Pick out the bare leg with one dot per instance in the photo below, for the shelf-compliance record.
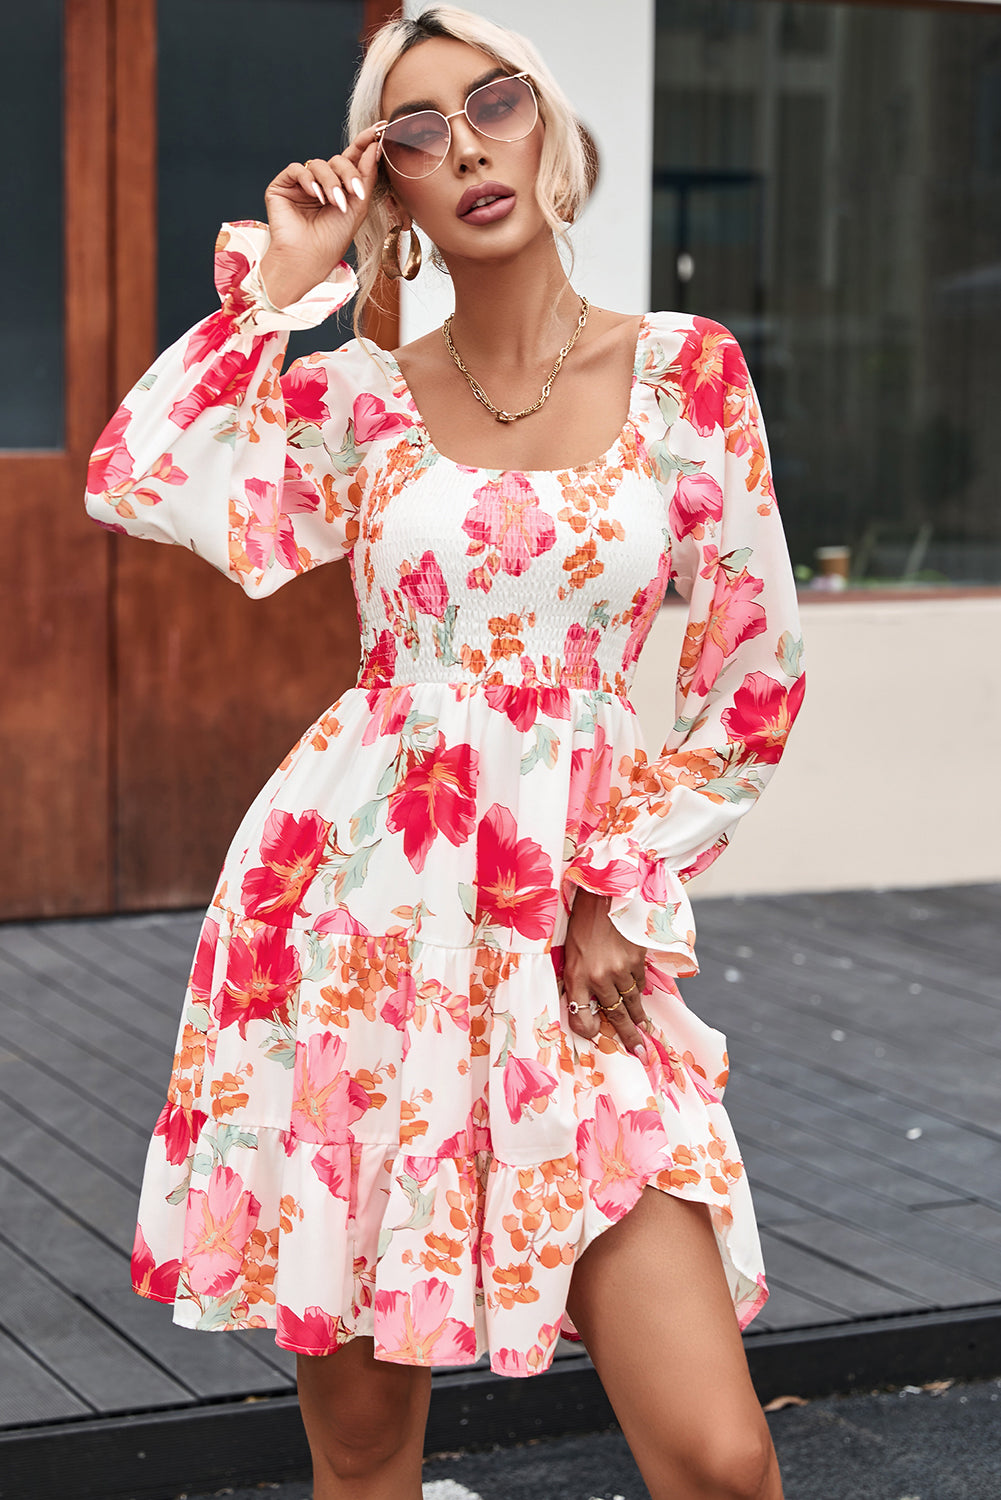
(365, 1420)
(650, 1300)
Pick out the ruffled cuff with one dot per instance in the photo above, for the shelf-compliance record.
(649, 904)
(240, 248)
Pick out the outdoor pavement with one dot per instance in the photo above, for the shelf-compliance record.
(864, 1033)
(911, 1444)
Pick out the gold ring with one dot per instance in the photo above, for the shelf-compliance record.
(607, 1009)
(629, 990)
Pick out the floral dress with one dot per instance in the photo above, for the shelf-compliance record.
(379, 1122)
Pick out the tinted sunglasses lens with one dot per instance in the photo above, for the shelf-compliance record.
(416, 144)
(504, 110)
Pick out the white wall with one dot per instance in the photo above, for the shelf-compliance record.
(603, 58)
(890, 773)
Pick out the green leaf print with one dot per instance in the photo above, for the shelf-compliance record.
(598, 614)
(319, 949)
(545, 748)
(362, 825)
(737, 786)
(668, 404)
(790, 653)
(352, 872)
(660, 924)
(180, 1192)
(147, 383)
(347, 458)
(422, 1204)
(304, 435)
(733, 563)
(198, 1017)
(467, 895)
(444, 631)
(510, 1036)
(218, 1311)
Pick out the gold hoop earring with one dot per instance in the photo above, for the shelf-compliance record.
(390, 259)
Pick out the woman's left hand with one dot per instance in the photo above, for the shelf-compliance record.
(599, 961)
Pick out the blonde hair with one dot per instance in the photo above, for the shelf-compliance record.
(568, 166)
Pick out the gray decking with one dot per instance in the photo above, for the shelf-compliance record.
(865, 1040)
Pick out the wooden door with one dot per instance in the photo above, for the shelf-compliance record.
(145, 698)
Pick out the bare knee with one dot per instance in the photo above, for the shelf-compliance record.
(735, 1464)
(362, 1416)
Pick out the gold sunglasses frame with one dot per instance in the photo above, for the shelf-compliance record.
(383, 125)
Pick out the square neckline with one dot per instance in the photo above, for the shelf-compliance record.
(603, 461)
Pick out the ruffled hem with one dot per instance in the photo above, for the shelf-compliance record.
(323, 1233)
(649, 903)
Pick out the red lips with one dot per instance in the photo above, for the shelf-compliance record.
(482, 190)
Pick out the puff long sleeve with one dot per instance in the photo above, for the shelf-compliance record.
(740, 679)
(215, 450)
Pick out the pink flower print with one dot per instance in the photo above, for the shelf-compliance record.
(225, 384)
(509, 525)
(262, 975)
(150, 1279)
(304, 388)
(646, 603)
(437, 795)
(524, 702)
(380, 664)
(733, 618)
(580, 666)
(332, 1164)
(590, 778)
(230, 267)
(425, 586)
(180, 1128)
(762, 714)
(200, 983)
(270, 531)
(292, 851)
(316, 1332)
(339, 919)
(111, 462)
(702, 366)
(373, 421)
(620, 1153)
(326, 1100)
(527, 1085)
(697, 500)
(409, 1326)
(218, 1225)
(514, 877)
(209, 336)
(398, 1006)
(514, 1362)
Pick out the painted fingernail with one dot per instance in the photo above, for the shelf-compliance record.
(317, 189)
(340, 200)
(639, 1048)
(357, 188)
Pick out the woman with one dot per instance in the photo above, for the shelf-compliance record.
(436, 1093)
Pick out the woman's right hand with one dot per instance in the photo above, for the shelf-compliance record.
(313, 214)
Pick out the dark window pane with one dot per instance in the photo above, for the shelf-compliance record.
(31, 245)
(828, 185)
(245, 86)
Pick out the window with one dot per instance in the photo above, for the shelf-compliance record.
(244, 86)
(827, 184)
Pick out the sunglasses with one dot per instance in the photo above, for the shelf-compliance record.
(504, 110)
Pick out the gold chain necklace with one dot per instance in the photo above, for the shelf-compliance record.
(480, 393)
